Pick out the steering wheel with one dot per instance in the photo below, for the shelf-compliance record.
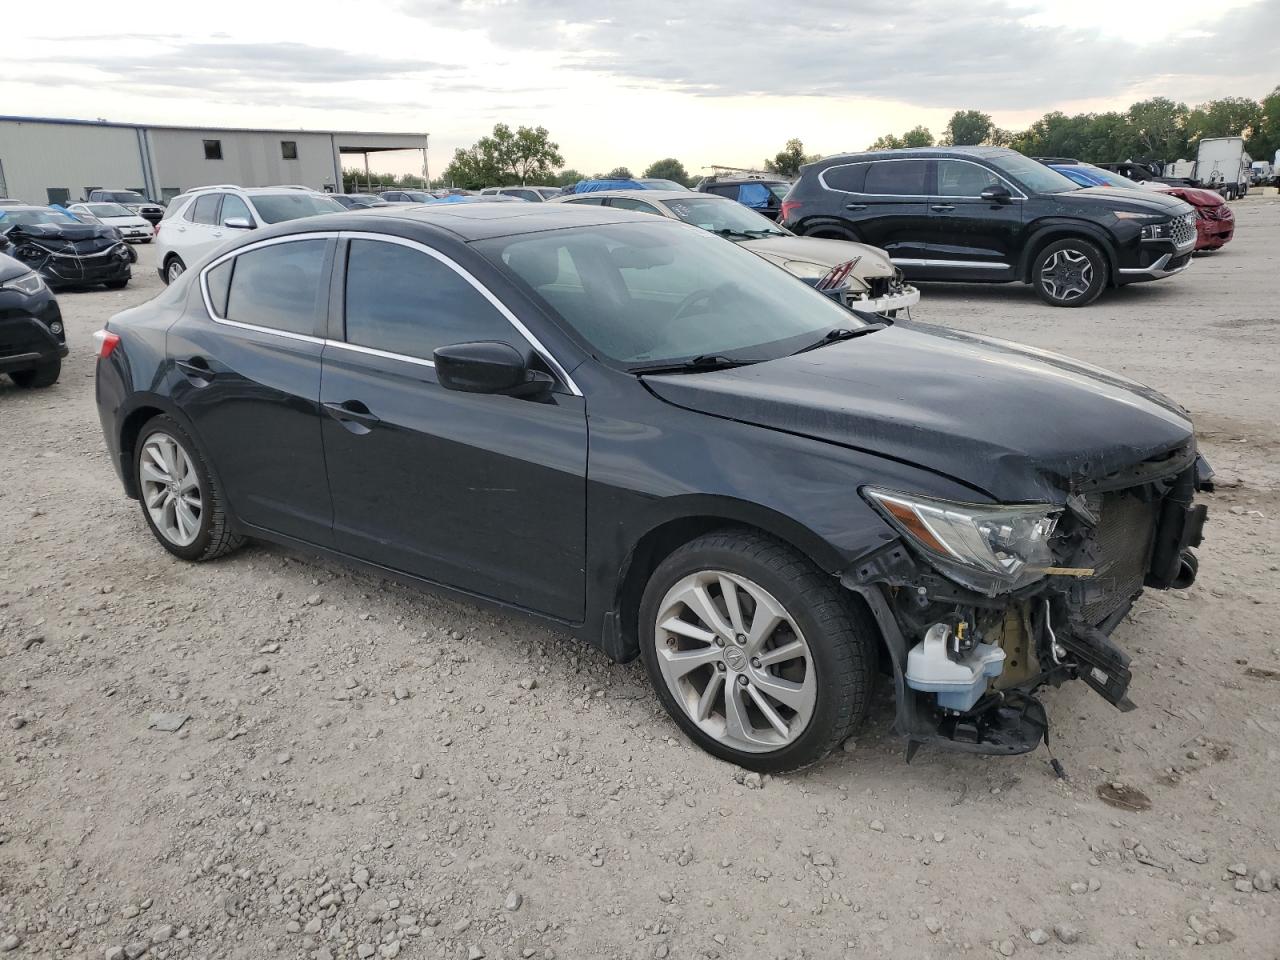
(698, 296)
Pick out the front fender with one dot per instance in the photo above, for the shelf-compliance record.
(1053, 228)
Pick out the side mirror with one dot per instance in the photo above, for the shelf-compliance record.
(489, 366)
(237, 223)
(996, 193)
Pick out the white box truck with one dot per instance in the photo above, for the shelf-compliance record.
(1222, 165)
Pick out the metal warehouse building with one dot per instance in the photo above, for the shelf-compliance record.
(45, 160)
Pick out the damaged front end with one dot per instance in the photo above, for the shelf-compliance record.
(67, 255)
(980, 606)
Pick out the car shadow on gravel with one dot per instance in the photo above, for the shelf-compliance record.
(1017, 295)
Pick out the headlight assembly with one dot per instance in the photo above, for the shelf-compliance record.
(1158, 231)
(989, 548)
(807, 270)
(28, 283)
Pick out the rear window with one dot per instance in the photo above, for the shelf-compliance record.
(848, 177)
(903, 178)
(176, 206)
(279, 286)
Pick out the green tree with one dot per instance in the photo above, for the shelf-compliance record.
(669, 169)
(967, 128)
(1264, 139)
(567, 177)
(505, 157)
(788, 161)
(888, 141)
(618, 173)
(1228, 117)
(917, 137)
(1159, 128)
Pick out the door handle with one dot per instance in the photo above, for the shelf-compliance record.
(943, 207)
(196, 370)
(353, 415)
(855, 206)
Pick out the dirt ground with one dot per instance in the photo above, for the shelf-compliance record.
(371, 771)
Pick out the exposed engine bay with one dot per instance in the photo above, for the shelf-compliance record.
(968, 661)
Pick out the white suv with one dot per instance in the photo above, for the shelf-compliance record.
(199, 221)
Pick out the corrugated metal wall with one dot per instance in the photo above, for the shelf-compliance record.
(248, 159)
(39, 157)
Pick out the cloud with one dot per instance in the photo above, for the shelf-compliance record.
(917, 51)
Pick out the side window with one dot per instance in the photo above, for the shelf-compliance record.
(594, 201)
(849, 177)
(729, 190)
(175, 207)
(903, 178)
(232, 208)
(279, 286)
(205, 209)
(630, 203)
(403, 301)
(524, 195)
(959, 179)
(218, 280)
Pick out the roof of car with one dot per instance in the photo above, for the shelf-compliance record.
(663, 195)
(920, 152)
(482, 221)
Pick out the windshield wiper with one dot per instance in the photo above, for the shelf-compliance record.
(748, 234)
(842, 333)
(699, 364)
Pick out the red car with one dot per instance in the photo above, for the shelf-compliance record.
(1215, 223)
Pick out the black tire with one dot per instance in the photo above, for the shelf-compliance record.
(831, 232)
(841, 636)
(215, 537)
(174, 262)
(45, 375)
(117, 284)
(1070, 282)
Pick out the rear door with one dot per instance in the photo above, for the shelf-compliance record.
(483, 493)
(972, 236)
(248, 377)
(887, 204)
(198, 230)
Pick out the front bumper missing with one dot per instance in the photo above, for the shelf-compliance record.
(905, 299)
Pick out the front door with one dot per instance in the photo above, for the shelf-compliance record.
(483, 493)
(972, 236)
(249, 379)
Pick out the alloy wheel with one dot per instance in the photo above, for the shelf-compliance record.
(735, 661)
(175, 270)
(1067, 274)
(170, 489)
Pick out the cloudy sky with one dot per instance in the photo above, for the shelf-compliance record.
(711, 82)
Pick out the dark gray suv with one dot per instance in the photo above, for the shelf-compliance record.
(991, 215)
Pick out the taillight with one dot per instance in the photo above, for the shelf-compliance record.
(107, 341)
(788, 208)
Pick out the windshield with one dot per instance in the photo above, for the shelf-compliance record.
(658, 292)
(278, 207)
(1032, 174)
(108, 210)
(9, 216)
(657, 183)
(717, 215)
(1107, 177)
(780, 190)
(123, 196)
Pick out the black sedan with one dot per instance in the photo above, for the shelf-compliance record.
(65, 251)
(32, 341)
(671, 449)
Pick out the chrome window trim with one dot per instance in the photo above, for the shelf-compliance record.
(962, 264)
(479, 288)
(355, 347)
(822, 179)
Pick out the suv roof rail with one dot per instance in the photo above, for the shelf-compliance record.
(292, 186)
(213, 186)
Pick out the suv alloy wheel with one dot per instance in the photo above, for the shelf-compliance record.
(1069, 273)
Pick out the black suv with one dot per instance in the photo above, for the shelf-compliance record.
(32, 341)
(759, 193)
(988, 214)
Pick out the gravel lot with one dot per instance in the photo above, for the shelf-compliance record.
(371, 771)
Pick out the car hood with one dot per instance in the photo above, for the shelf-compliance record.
(84, 236)
(872, 262)
(11, 269)
(1196, 196)
(1136, 200)
(1017, 423)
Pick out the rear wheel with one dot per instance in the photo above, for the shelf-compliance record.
(174, 269)
(45, 375)
(1069, 273)
(181, 501)
(758, 656)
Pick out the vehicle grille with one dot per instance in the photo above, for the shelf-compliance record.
(1184, 230)
(1123, 537)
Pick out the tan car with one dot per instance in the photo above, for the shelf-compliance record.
(873, 285)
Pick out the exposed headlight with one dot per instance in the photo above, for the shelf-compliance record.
(1158, 231)
(28, 283)
(989, 548)
(806, 270)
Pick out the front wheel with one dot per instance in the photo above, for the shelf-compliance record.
(759, 658)
(45, 375)
(173, 270)
(181, 501)
(1069, 273)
